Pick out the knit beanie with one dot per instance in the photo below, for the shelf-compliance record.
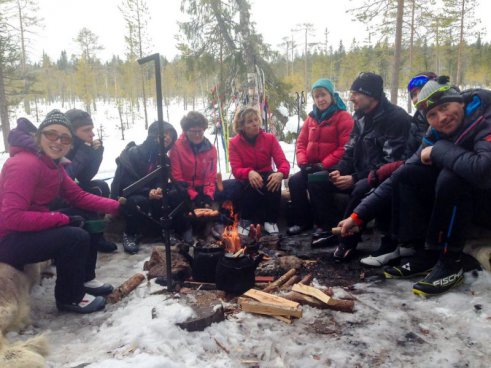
(437, 92)
(420, 80)
(78, 118)
(327, 84)
(369, 84)
(55, 117)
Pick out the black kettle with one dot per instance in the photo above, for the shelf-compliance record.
(204, 262)
(236, 275)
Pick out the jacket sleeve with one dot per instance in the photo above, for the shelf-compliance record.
(279, 158)
(209, 187)
(90, 167)
(75, 196)
(474, 166)
(344, 128)
(20, 183)
(236, 163)
(396, 139)
(302, 142)
(346, 166)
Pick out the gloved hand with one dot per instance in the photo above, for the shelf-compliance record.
(376, 177)
(311, 168)
(202, 201)
(76, 221)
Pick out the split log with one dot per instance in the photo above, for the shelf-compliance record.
(307, 279)
(263, 297)
(252, 306)
(280, 281)
(311, 291)
(125, 288)
(346, 306)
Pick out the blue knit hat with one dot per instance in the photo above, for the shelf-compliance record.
(329, 86)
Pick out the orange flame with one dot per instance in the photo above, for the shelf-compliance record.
(230, 236)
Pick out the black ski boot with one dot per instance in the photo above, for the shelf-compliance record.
(130, 244)
(446, 274)
(418, 265)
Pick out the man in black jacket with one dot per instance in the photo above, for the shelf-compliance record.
(435, 191)
(86, 157)
(379, 136)
(135, 162)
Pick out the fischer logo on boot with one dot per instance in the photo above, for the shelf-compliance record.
(449, 279)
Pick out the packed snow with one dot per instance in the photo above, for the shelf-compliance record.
(391, 327)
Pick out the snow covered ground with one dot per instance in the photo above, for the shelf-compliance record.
(390, 327)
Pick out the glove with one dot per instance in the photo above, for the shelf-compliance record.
(311, 168)
(202, 201)
(376, 177)
(76, 221)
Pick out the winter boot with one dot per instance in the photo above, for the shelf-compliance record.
(419, 264)
(88, 304)
(97, 288)
(343, 252)
(106, 246)
(446, 274)
(130, 244)
(271, 228)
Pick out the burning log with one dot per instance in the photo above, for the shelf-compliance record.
(125, 288)
(280, 281)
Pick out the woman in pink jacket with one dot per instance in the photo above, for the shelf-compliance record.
(29, 232)
(193, 161)
(320, 146)
(251, 153)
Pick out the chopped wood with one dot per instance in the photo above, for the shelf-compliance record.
(311, 291)
(346, 306)
(264, 278)
(252, 306)
(125, 288)
(284, 319)
(307, 279)
(293, 280)
(337, 230)
(263, 297)
(280, 281)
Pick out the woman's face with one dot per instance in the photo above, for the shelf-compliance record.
(195, 135)
(322, 98)
(251, 125)
(55, 141)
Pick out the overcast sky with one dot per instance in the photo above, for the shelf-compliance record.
(274, 19)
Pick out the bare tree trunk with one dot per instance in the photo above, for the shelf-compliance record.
(461, 45)
(411, 50)
(4, 112)
(394, 87)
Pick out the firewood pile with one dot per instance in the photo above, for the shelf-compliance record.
(156, 266)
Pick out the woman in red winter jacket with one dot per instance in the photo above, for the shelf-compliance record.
(29, 232)
(320, 146)
(251, 153)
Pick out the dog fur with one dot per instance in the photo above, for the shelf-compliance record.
(14, 315)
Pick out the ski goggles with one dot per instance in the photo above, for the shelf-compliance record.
(433, 99)
(53, 136)
(417, 82)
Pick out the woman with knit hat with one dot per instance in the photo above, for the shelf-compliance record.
(320, 146)
(29, 233)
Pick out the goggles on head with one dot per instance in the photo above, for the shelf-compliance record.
(417, 82)
(432, 99)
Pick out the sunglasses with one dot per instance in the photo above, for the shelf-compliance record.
(53, 136)
(426, 103)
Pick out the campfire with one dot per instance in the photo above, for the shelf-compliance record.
(232, 241)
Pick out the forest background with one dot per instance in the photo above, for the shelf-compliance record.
(218, 46)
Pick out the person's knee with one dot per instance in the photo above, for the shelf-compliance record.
(450, 185)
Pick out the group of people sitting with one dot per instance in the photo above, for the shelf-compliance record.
(418, 176)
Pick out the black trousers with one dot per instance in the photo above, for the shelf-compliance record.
(326, 213)
(97, 187)
(435, 206)
(71, 249)
(260, 205)
(301, 209)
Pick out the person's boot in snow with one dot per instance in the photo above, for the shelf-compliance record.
(446, 274)
(105, 246)
(271, 228)
(130, 244)
(88, 304)
(97, 288)
(419, 264)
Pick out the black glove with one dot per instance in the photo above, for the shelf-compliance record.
(202, 201)
(311, 168)
(76, 221)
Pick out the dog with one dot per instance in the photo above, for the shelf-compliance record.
(14, 316)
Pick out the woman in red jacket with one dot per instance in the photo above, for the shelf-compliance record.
(29, 232)
(320, 146)
(193, 162)
(251, 153)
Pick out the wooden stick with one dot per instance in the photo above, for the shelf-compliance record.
(311, 291)
(252, 306)
(293, 280)
(307, 279)
(280, 281)
(346, 306)
(125, 288)
(337, 230)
